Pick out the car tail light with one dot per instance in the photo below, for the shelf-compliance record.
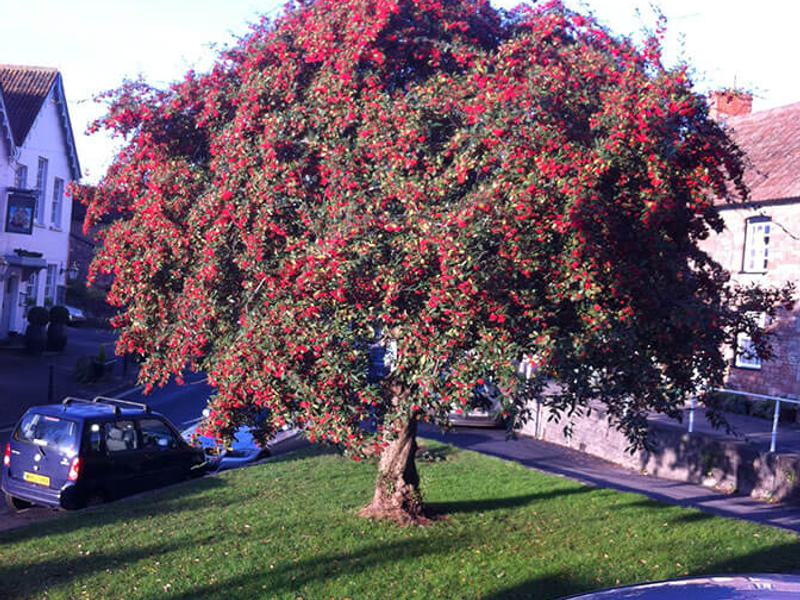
(7, 456)
(74, 469)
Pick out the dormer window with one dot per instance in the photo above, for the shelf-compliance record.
(756, 245)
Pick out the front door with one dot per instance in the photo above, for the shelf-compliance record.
(10, 301)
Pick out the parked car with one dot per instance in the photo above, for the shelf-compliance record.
(76, 316)
(484, 410)
(242, 450)
(67, 455)
(727, 587)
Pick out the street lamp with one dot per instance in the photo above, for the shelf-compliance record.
(72, 272)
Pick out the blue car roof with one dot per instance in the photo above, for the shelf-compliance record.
(88, 410)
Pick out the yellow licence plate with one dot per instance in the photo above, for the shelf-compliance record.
(37, 479)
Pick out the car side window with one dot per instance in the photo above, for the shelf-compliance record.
(95, 438)
(156, 434)
(120, 436)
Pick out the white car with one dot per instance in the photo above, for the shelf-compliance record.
(242, 451)
(485, 409)
(76, 315)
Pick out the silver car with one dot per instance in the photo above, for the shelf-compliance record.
(242, 451)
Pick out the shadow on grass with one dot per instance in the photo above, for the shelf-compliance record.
(174, 499)
(546, 586)
(291, 577)
(776, 559)
(489, 504)
(38, 577)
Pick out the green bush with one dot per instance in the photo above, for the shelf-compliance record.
(38, 315)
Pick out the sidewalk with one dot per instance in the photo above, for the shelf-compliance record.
(587, 469)
(24, 378)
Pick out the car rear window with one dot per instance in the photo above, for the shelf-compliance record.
(48, 432)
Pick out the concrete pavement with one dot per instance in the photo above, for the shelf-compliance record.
(587, 469)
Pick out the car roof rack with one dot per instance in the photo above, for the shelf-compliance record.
(120, 403)
(72, 400)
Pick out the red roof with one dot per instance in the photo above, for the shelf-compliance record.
(24, 90)
(771, 140)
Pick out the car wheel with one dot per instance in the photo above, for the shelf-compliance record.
(15, 504)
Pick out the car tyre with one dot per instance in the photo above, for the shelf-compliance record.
(16, 504)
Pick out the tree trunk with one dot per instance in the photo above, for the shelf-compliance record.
(397, 497)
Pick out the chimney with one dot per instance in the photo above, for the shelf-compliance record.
(729, 103)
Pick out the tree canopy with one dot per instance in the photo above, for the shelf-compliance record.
(467, 184)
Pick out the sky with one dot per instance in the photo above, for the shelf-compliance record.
(96, 44)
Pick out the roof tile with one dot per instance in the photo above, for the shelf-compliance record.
(24, 90)
(771, 140)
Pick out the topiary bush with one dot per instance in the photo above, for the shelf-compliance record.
(38, 315)
(57, 330)
(35, 339)
(59, 314)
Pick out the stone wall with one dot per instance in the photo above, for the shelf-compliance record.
(726, 466)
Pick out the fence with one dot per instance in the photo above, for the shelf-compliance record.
(775, 417)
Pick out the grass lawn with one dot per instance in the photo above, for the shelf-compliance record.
(288, 529)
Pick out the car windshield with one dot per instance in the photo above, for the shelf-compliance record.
(48, 432)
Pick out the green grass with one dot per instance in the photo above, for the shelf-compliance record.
(289, 529)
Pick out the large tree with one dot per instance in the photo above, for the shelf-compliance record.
(464, 185)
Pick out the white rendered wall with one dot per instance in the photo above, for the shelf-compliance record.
(45, 139)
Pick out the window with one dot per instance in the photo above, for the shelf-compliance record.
(121, 436)
(41, 187)
(21, 177)
(94, 440)
(50, 284)
(31, 290)
(58, 195)
(756, 245)
(156, 434)
(746, 357)
(48, 432)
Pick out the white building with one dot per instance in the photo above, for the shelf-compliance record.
(38, 160)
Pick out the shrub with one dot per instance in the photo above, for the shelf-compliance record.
(59, 314)
(38, 315)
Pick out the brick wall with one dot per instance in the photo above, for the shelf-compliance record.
(781, 375)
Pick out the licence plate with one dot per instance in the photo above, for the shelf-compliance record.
(37, 479)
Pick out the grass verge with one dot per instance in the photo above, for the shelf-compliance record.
(288, 529)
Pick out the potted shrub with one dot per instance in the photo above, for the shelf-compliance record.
(57, 329)
(101, 364)
(35, 336)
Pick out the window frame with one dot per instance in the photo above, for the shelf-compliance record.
(56, 207)
(41, 188)
(21, 177)
(752, 244)
(745, 343)
(50, 283)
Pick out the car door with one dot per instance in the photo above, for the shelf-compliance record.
(164, 459)
(125, 458)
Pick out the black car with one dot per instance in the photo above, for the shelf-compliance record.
(67, 455)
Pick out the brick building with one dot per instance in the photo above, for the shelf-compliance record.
(761, 240)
